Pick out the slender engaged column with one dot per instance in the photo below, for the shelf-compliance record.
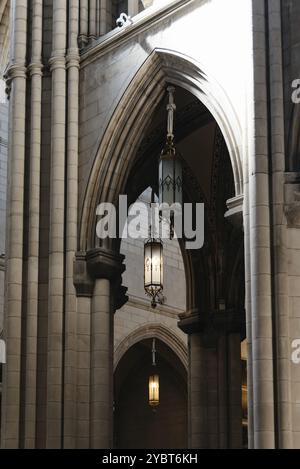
(35, 69)
(71, 230)
(260, 253)
(280, 230)
(57, 221)
(133, 7)
(83, 372)
(14, 247)
(92, 19)
(105, 17)
(84, 22)
(248, 312)
(102, 367)
(235, 391)
(198, 394)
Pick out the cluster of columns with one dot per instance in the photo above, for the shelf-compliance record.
(97, 17)
(215, 381)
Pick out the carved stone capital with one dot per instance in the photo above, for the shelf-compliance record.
(104, 263)
(292, 199)
(14, 70)
(100, 263)
(213, 324)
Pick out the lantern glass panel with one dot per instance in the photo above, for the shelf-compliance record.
(153, 265)
(154, 390)
(170, 180)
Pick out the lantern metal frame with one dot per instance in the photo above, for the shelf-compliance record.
(173, 179)
(153, 289)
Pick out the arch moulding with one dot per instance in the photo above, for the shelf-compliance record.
(118, 146)
(150, 331)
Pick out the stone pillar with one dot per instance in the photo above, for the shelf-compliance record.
(70, 360)
(215, 387)
(57, 233)
(84, 23)
(105, 17)
(102, 367)
(14, 248)
(133, 7)
(97, 275)
(92, 19)
(260, 252)
(35, 70)
(248, 312)
(84, 289)
(234, 367)
(198, 399)
(279, 227)
(83, 372)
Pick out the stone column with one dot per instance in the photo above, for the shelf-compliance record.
(248, 311)
(84, 289)
(260, 252)
(84, 23)
(70, 360)
(92, 19)
(234, 391)
(101, 367)
(14, 248)
(279, 229)
(105, 267)
(35, 69)
(105, 17)
(133, 7)
(57, 222)
(198, 411)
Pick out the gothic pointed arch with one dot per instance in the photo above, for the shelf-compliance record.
(116, 152)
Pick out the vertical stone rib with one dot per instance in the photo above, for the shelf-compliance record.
(83, 372)
(92, 19)
(57, 223)
(279, 228)
(84, 22)
(103, 18)
(101, 367)
(133, 7)
(248, 311)
(71, 227)
(14, 248)
(260, 252)
(198, 394)
(35, 70)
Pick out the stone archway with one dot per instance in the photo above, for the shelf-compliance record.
(214, 340)
(136, 424)
(115, 154)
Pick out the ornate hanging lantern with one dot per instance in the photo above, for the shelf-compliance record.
(170, 167)
(153, 382)
(154, 390)
(153, 269)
